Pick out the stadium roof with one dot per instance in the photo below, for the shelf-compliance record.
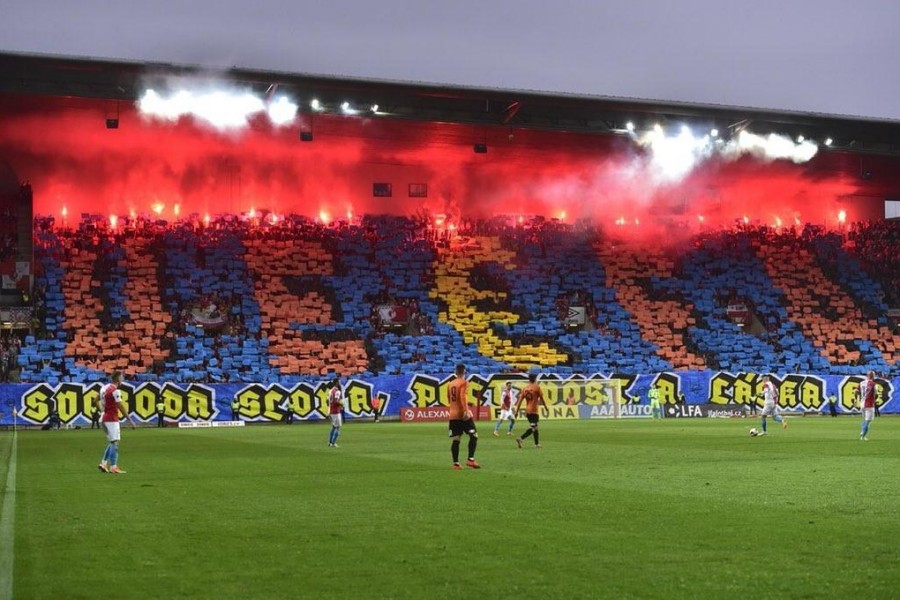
(124, 81)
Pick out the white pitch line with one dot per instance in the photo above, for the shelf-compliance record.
(8, 526)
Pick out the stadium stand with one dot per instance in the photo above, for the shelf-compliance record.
(247, 300)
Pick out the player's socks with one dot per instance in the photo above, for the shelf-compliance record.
(105, 459)
(454, 451)
(337, 434)
(114, 455)
(865, 429)
(763, 425)
(473, 443)
(537, 435)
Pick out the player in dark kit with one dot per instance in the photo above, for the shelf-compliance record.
(534, 399)
(461, 420)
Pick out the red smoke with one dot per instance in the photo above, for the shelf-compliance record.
(61, 146)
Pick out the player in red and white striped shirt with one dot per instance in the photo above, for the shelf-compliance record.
(335, 410)
(506, 410)
(111, 404)
(867, 391)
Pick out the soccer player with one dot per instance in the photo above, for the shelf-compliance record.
(770, 405)
(867, 403)
(506, 411)
(376, 407)
(335, 412)
(111, 402)
(655, 412)
(95, 415)
(461, 420)
(534, 399)
(832, 401)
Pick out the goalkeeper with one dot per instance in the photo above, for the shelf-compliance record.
(655, 411)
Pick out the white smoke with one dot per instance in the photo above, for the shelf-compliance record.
(671, 158)
(770, 147)
(220, 105)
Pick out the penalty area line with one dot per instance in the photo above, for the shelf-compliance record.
(8, 525)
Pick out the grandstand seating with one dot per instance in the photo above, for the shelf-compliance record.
(294, 301)
(828, 316)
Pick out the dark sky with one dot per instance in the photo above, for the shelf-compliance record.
(830, 56)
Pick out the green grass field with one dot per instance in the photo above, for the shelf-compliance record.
(607, 509)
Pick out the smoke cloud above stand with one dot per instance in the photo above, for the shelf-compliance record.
(63, 149)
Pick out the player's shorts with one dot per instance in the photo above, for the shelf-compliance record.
(533, 419)
(769, 409)
(868, 414)
(507, 414)
(461, 426)
(113, 433)
(336, 420)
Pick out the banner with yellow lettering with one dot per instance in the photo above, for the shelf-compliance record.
(72, 403)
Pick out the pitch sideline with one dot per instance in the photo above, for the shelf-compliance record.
(8, 525)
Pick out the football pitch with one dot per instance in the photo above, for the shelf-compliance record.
(689, 508)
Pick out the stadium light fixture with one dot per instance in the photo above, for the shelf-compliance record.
(800, 139)
(315, 104)
(714, 132)
(282, 111)
(629, 126)
(375, 108)
(828, 141)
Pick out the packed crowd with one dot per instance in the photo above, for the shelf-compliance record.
(397, 315)
(222, 315)
(877, 243)
(10, 345)
(8, 234)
